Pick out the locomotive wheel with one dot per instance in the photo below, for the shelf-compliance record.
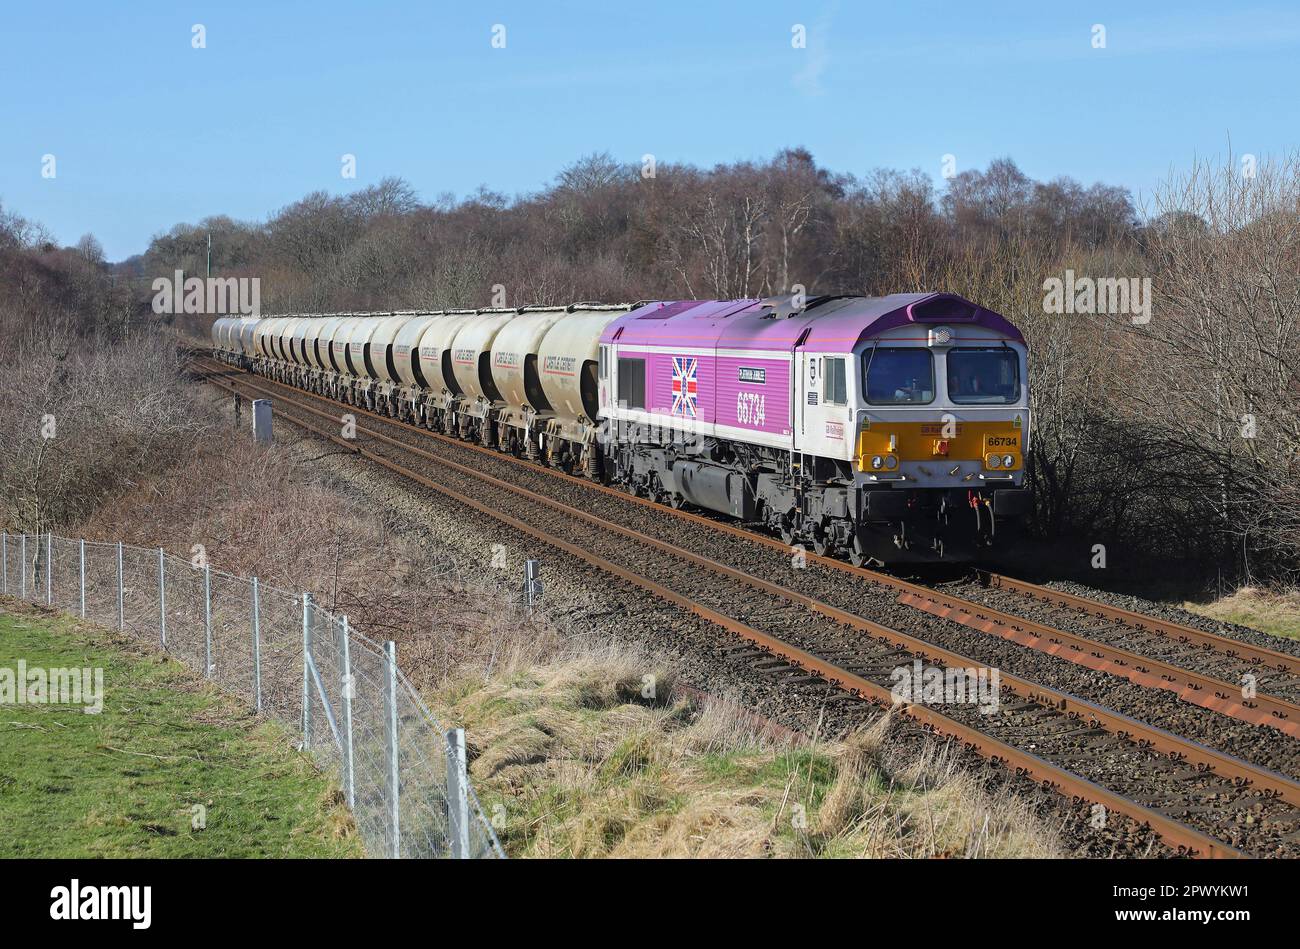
(856, 555)
(823, 545)
(676, 502)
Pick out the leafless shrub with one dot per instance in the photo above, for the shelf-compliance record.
(86, 418)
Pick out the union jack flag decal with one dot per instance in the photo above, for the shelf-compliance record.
(685, 385)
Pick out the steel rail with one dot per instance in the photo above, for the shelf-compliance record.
(1280, 661)
(1195, 688)
(1166, 742)
(1174, 832)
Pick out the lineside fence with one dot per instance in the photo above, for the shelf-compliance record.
(404, 775)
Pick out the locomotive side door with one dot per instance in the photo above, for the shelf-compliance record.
(823, 404)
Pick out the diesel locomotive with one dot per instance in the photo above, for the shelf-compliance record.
(889, 429)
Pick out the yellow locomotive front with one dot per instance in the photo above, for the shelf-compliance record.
(942, 438)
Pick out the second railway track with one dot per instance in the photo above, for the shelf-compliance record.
(1196, 798)
(1199, 679)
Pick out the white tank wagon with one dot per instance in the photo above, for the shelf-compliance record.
(313, 362)
(232, 339)
(339, 333)
(298, 341)
(263, 335)
(247, 328)
(471, 365)
(360, 361)
(282, 346)
(321, 374)
(383, 359)
(311, 342)
(443, 395)
(221, 344)
(408, 402)
(513, 365)
(240, 334)
(567, 360)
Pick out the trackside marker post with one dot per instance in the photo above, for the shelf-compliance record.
(262, 420)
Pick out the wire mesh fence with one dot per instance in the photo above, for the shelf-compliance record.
(402, 772)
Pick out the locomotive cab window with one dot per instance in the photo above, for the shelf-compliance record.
(983, 376)
(631, 382)
(835, 383)
(899, 376)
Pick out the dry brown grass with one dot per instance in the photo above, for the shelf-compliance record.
(265, 511)
(584, 764)
(1270, 611)
(582, 741)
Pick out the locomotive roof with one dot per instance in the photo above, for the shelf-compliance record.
(833, 324)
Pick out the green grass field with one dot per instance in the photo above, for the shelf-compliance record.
(168, 752)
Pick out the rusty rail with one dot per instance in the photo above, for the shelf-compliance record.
(1192, 687)
(1175, 833)
(1280, 661)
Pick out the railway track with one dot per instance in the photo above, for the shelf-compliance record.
(1223, 805)
(1201, 669)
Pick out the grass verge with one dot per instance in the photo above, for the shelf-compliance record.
(571, 759)
(1276, 613)
(170, 767)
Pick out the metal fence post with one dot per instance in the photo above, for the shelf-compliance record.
(349, 771)
(394, 782)
(82, 571)
(207, 620)
(49, 568)
(306, 671)
(121, 592)
(257, 648)
(457, 795)
(4, 561)
(162, 600)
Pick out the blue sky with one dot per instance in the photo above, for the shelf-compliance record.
(148, 131)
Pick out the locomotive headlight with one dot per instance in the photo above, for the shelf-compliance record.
(877, 462)
(993, 461)
(891, 462)
(1008, 461)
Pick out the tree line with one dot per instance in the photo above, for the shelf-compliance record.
(1165, 435)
